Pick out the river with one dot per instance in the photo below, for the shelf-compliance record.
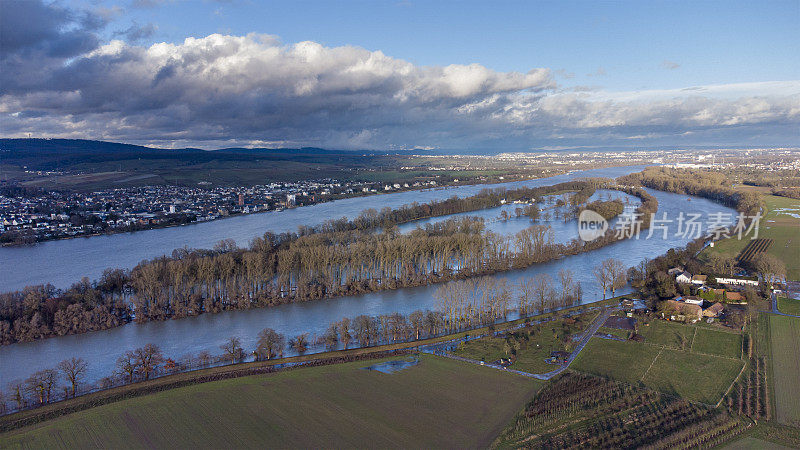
(207, 332)
(65, 261)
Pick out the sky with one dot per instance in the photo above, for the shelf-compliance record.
(400, 75)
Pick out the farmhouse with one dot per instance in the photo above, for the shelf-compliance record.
(675, 271)
(683, 311)
(737, 281)
(693, 300)
(714, 310)
(699, 279)
(684, 277)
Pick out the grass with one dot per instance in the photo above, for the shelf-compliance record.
(542, 339)
(438, 403)
(623, 361)
(751, 443)
(614, 332)
(789, 306)
(767, 435)
(777, 225)
(700, 370)
(668, 334)
(784, 334)
(695, 377)
(718, 343)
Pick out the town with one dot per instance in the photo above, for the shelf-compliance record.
(27, 218)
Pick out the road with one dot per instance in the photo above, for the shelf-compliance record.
(775, 310)
(441, 350)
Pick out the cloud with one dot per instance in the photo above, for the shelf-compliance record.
(136, 33)
(669, 65)
(60, 81)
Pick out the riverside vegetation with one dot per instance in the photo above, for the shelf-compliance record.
(339, 257)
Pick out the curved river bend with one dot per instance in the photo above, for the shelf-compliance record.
(65, 261)
(207, 332)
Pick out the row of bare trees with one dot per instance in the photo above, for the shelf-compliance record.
(339, 257)
(463, 304)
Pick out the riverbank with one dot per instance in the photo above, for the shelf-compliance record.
(171, 381)
(328, 199)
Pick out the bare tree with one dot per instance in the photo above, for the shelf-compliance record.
(204, 358)
(127, 365)
(331, 337)
(73, 369)
(770, 268)
(233, 349)
(299, 343)
(610, 274)
(41, 384)
(344, 331)
(270, 344)
(543, 291)
(148, 359)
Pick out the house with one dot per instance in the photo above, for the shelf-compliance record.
(684, 277)
(714, 310)
(737, 281)
(683, 311)
(675, 271)
(693, 300)
(699, 279)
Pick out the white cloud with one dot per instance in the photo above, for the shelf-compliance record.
(242, 89)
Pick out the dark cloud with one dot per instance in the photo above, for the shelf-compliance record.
(58, 81)
(32, 27)
(136, 33)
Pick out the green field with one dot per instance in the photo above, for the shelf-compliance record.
(669, 334)
(717, 343)
(778, 225)
(614, 332)
(437, 403)
(695, 377)
(624, 361)
(789, 306)
(696, 373)
(784, 344)
(751, 443)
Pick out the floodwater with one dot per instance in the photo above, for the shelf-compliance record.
(207, 332)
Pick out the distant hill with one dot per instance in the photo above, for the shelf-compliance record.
(28, 147)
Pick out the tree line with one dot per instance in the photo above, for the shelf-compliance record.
(711, 185)
(338, 257)
(464, 305)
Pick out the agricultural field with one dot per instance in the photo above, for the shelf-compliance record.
(580, 411)
(674, 359)
(695, 377)
(751, 443)
(623, 361)
(784, 335)
(789, 306)
(780, 224)
(669, 334)
(720, 343)
(754, 249)
(534, 343)
(437, 403)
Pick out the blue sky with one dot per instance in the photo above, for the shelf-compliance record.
(613, 73)
(634, 42)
